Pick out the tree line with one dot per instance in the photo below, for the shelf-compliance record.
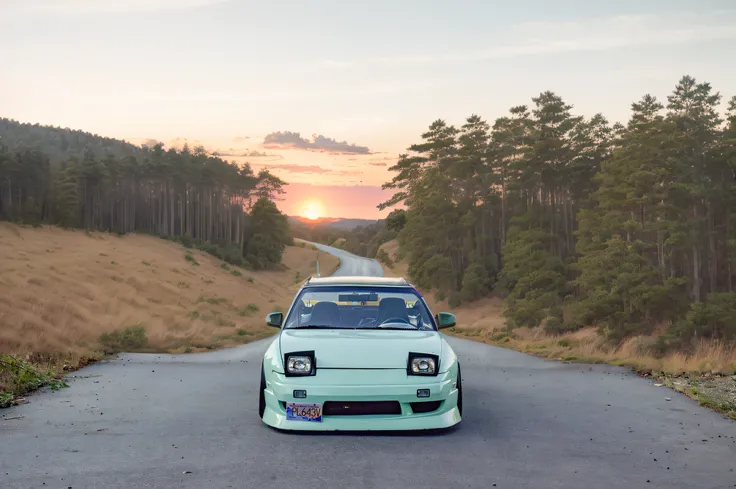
(577, 221)
(48, 176)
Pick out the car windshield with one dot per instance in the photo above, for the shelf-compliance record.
(344, 307)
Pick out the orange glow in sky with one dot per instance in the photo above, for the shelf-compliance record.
(312, 209)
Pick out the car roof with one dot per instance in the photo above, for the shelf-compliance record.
(359, 281)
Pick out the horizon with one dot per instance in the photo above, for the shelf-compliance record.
(329, 116)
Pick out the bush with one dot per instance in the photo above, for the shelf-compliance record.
(475, 282)
(713, 318)
(554, 324)
(383, 257)
(129, 339)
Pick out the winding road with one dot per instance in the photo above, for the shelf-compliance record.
(351, 265)
(190, 421)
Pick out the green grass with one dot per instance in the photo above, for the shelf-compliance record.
(188, 257)
(242, 332)
(132, 338)
(227, 252)
(213, 300)
(248, 310)
(18, 377)
(725, 407)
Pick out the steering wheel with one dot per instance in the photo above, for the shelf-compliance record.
(395, 319)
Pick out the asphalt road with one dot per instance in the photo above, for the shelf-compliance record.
(144, 420)
(351, 265)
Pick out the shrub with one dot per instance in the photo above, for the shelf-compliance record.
(129, 339)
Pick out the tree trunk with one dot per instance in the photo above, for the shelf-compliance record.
(695, 293)
(713, 255)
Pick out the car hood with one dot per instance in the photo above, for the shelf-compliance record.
(351, 348)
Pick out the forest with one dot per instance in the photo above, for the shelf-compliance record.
(75, 179)
(579, 222)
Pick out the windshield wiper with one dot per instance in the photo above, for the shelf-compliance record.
(314, 326)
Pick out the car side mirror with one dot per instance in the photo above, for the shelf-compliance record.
(275, 319)
(445, 320)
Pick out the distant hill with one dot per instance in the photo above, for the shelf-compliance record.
(332, 222)
(59, 143)
(350, 224)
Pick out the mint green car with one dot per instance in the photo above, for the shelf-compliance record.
(360, 353)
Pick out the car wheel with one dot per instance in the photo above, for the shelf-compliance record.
(459, 391)
(262, 395)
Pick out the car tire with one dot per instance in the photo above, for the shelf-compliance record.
(459, 391)
(262, 394)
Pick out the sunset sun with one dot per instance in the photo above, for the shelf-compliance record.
(312, 210)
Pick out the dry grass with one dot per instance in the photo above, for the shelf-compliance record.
(303, 244)
(61, 290)
(399, 268)
(712, 357)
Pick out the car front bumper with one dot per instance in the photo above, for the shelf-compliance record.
(346, 386)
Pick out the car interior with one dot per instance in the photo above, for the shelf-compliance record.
(393, 311)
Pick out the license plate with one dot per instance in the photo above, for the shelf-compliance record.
(304, 412)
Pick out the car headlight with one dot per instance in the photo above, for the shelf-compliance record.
(299, 363)
(423, 364)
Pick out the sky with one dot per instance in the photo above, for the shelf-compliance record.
(326, 94)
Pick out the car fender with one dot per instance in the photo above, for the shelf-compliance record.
(272, 360)
(448, 358)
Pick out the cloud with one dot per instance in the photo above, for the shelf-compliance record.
(241, 139)
(300, 168)
(319, 143)
(150, 142)
(76, 7)
(232, 153)
(179, 143)
(381, 161)
(296, 168)
(601, 34)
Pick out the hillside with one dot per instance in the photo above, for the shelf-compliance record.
(61, 290)
(339, 223)
(61, 143)
(103, 184)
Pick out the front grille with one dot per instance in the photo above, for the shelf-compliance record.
(357, 408)
(425, 406)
